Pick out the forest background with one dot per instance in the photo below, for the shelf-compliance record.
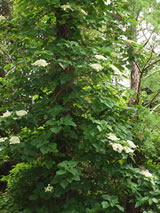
(74, 137)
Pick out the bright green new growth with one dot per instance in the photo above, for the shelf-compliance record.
(65, 124)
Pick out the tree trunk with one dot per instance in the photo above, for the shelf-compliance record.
(135, 84)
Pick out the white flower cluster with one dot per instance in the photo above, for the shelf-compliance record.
(118, 147)
(2, 18)
(96, 67)
(49, 188)
(146, 173)
(40, 63)
(3, 139)
(128, 149)
(19, 113)
(65, 6)
(113, 137)
(131, 144)
(6, 114)
(14, 140)
(108, 2)
(100, 57)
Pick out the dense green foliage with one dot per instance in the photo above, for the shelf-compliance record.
(72, 142)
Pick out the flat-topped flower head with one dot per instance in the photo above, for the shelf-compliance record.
(113, 137)
(117, 147)
(49, 188)
(21, 113)
(146, 173)
(14, 140)
(127, 149)
(6, 114)
(108, 2)
(40, 63)
(3, 139)
(131, 144)
(100, 57)
(96, 67)
(65, 6)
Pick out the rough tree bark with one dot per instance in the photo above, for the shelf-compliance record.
(135, 84)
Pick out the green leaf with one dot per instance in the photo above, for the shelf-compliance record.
(73, 171)
(7, 67)
(64, 184)
(55, 110)
(105, 204)
(44, 149)
(68, 164)
(64, 66)
(150, 201)
(133, 21)
(76, 178)
(139, 203)
(56, 129)
(53, 147)
(61, 172)
(51, 122)
(67, 120)
(120, 208)
(154, 200)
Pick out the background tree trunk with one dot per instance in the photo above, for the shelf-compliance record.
(135, 83)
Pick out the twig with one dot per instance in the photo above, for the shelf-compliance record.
(151, 74)
(155, 108)
(148, 38)
(153, 99)
(149, 58)
(150, 65)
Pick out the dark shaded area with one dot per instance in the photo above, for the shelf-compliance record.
(130, 207)
(4, 170)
